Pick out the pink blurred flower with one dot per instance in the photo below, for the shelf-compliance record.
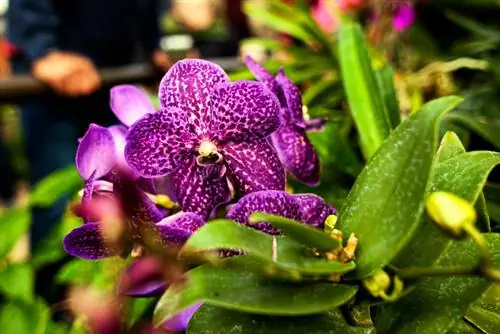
(404, 16)
(346, 5)
(323, 17)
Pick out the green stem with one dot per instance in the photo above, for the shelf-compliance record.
(412, 273)
(480, 241)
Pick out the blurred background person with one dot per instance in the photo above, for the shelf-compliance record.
(63, 43)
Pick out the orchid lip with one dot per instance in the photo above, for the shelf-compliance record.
(208, 154)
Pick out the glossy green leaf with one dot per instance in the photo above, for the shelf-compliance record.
(463, 175)
(485, 313)
(215, 320)
(17, 282)
(450, 146)
(384, 207)
(385, 83)
(360, 84)
(487, 129)
(305, 234)
(289, 255)
(233, 287)
(437, 303)
(463, 327)
(61, 183)
(13, 224)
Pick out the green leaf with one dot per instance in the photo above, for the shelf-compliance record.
(384, 207)
(485, 128)
(462, 327)
(234, 287)
(261, 14)
(305, 234)
(55, 186)
(289, 254)
(485, 313)
(215, 320)
(137, 308)
(22, 318)
(78, 271)
(17, 282)
(360, 84)
(450, 146)
(463, 175)
(13, 224)
(437, 304)
(385, 83)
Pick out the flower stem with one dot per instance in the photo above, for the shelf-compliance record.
(412, 273)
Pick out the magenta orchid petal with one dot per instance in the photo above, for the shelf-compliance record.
(263, 76)
(242, 111)
(297, 154)
(188, 86)
(200, 189)
(176, 229)
(129, 103)
(404, 17)
(143, 278)
(95, 153)
(159, 143)
(180, 321)
(254, 166)
(273, 202)
(313, 209)
(293, 98)
(87, 242)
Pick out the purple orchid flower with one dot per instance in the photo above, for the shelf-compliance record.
(98, 165)
(291, 142)
(309, 209)
(210, 135)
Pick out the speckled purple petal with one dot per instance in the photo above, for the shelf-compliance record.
(313, 209)
(87, 242)
(159, 142)
(315, 124)
(180, 321)
(95, 153)
(292, 111)
(264, 76)
(271, 201)
(297, 154)
(242, 111)
(119, 133)
(129, 103)
(188, 86)
(198, 191)
(176, 229)
(254, 166)
(143, 278)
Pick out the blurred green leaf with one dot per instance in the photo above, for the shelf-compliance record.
(487, 129)
(260, 13)
(385, 83)
(215, 320)
(437, 303)
(17, 282)
(289, 254)
(334, 151)
(13, 224)
(463, 327)
(384, 207)
(50, 250)
(239, 289)
(474, 26)
(22, 318)
(78, 272)
(137, 308)
(360, 84)
(463, 174)
(305, 234)
(55, 186)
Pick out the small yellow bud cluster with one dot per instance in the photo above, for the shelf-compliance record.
(379, 283)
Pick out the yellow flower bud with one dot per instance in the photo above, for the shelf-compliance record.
(450, 212)
(330, 223)
(378, 283)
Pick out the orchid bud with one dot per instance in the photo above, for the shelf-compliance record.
(450, 212)
(377, 284)
(330, 223)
